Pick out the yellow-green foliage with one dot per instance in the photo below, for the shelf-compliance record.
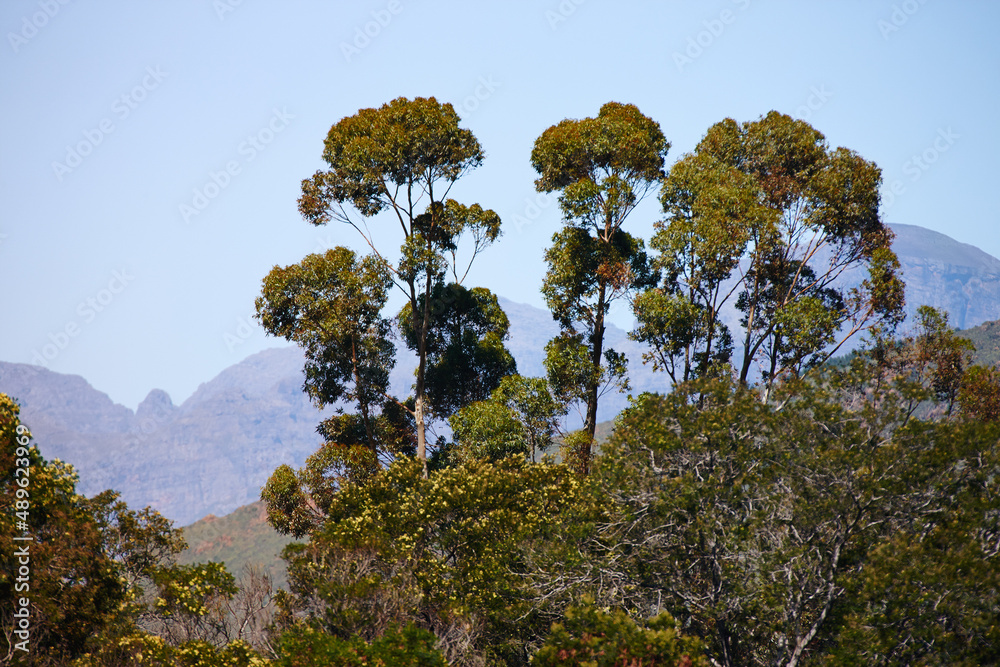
(590, 637)
(447, 552)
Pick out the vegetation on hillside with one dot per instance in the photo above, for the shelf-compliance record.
(243, 538)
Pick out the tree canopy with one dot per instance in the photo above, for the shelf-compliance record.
(812, 513)
(765, 216)
(602, 167)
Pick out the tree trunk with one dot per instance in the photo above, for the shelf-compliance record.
(597, 349)
(363, 402)
(419, 399)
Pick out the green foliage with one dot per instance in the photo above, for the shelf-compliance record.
(192, 590)
(776, 531)
(519, 418)
(372, 153)
(675, 327)
(330, 305)
(72, 585)
(100, 584)
(145, 650)
(448, 553)
(303, 646)
(138, 541)
(603, 167)
(590, 637)
(979, 394)
(768, 196)
(466, 356)
(941, 356)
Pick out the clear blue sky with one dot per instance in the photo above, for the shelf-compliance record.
(119, 113)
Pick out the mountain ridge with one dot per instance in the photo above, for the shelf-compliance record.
(211, 453)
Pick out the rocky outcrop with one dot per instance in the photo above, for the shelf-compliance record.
(209, 455)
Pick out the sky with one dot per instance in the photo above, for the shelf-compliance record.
(151, 153)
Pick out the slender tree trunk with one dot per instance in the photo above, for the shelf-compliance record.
(597, 349)
(362, 401)
(420, 399)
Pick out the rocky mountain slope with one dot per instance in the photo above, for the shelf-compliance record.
(955, 277)
(212, 453)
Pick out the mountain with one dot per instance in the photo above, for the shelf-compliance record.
(209, 455)
(212, 453)
(955, 277)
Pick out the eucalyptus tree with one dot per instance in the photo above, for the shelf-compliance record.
(602, 167)
(403, 159)
(764, 216)
(829, 525)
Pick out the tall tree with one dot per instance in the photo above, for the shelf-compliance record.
(521, 417)
(603, 167)
(765, 216)
(403, 158)
(59, 585)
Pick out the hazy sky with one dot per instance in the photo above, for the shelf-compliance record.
(152, 152)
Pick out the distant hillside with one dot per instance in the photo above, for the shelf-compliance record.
(986, 338)
(241, 537)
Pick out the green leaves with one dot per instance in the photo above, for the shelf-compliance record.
(404, 158)
(604, 166)
(330, 305)
(466, 356)
(376, 152)
(764, 211)
(520, 417)
(447, 553)
(303, 646)
(620, 143)
(826, 521)
(72, 586)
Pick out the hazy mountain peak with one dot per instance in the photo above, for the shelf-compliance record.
(926, 244)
